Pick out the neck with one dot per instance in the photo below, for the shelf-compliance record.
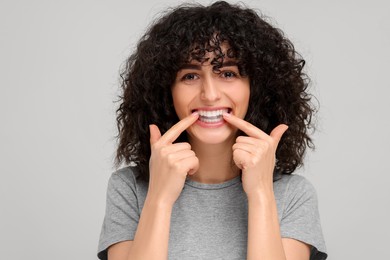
(215, 163)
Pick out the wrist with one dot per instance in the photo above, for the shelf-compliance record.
(158, 203)
(261, 195)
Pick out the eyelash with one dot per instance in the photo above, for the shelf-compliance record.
(222, 73)
(185, 77)
(233, 74)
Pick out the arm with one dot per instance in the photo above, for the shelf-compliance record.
(151, 238)
(296, 250)
(264, 240)
(168, 166)
(255, 156)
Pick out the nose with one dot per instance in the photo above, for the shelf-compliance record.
(210, 91)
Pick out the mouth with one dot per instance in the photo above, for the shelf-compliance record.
(211, 116)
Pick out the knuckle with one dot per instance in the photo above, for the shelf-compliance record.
(260, 150)
(163, 150)
(170, 157)
(236, 153)
(267, 145)
(195, 161)
(252, 162)
(154, 146)
(176, 166)
(263, 149)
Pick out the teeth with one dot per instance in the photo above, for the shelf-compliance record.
(212, 113)
(211, 116)
(210, 120)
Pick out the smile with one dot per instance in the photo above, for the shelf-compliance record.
(211, 116)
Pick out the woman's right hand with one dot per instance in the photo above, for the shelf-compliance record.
(170, 162)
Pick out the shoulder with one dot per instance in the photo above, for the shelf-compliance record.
(298, 212)
(126, 178)
(127, 175)
(293, 192)
(124, 193)
(293, 184)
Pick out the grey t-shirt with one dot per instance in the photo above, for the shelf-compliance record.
(210, 221)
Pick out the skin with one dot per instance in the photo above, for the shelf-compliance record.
(211, 150)
(197, 86)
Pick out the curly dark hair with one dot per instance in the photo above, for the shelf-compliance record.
(278, 86)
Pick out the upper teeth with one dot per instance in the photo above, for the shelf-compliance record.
(212, 113)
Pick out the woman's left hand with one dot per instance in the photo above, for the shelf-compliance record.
(255, 154)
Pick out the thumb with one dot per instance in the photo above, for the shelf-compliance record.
(278, 132)
(154, 133)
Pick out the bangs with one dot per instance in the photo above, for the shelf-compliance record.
(217, 45)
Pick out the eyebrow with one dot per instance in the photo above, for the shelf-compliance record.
(229, 63)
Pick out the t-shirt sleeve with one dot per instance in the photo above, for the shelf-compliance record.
(300, 218)
(122, 212)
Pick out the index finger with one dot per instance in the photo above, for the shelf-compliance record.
(173, 133)
(245, 126)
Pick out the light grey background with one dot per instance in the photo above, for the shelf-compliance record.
(59, 63)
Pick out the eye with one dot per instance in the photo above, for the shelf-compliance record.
(228, 74)
(189, 77)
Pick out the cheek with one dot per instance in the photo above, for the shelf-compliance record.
(180, 102)
(247, 97)
(242, 96)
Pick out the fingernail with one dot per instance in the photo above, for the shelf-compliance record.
(195, 113)
(226, 114)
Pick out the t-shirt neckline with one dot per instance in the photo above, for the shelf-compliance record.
(214, 186)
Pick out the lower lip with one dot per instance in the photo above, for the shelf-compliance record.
(211, 125)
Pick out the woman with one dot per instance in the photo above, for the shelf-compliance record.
(213, 120)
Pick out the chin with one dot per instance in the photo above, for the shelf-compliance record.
(217, 135)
